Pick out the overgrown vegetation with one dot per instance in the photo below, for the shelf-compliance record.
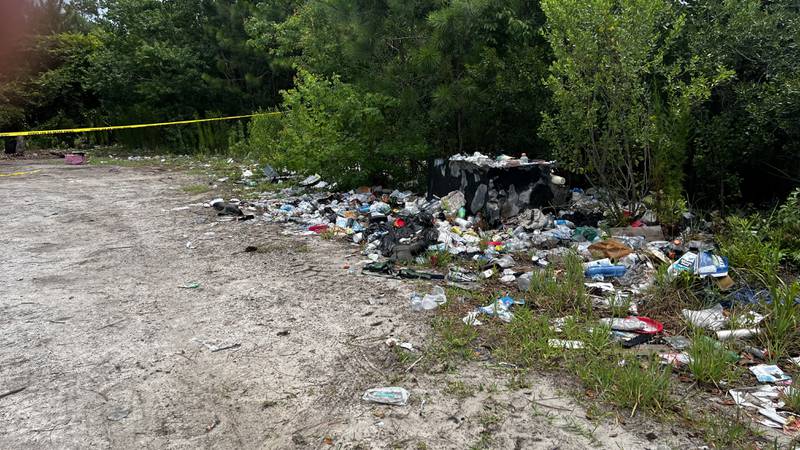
(656, 102)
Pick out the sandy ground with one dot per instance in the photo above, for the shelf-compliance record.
(112, 352)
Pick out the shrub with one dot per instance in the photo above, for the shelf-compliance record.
(779, 329)
(786, 232)
(744, 242)
(344, 134)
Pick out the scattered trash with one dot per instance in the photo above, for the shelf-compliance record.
(118, 413)
(610, 248)
(711, 319)
(678, 342)
(75, 158)
(191, 285)
(643, 325)
(499, 308)
(675, 359)
(387, 396)
(269, 173)
(407, 345)
(724, 335)
(758, 352)
(430, 301)
(569, 345)
(313, 179)
(766, 400)
(766, 373)
(226, 209)
(703, 264)
(480, 215)
(472, 318)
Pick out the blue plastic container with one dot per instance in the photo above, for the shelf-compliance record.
(606, 271)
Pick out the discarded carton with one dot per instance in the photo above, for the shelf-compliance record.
(387, 395)
(610, 248)
(768, 373)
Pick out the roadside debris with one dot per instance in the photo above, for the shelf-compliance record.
(711, 319)
(387, 395)
(770, 374)
(567, 345)
(428, 301)
(510, 223)
(75, 158)
(118, 413)
(766, 401)
(500, 308)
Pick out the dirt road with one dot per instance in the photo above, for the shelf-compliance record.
(274, 350)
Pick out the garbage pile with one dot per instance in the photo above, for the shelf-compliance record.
(503, 220)
(498, 189)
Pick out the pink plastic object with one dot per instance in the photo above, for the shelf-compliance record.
(75, 159)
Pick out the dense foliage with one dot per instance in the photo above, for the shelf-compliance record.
(657, 102)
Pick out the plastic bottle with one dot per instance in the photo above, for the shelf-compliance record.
(606, 271)
(463, 223)
(565, 223)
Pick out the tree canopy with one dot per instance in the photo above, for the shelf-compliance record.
(650, 100)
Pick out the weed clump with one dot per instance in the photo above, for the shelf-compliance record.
(628, 383)
(710, 361)
(745, 242)
(779, 333)
(561, 296)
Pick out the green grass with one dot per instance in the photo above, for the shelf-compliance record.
(620, 307)
(744, 242)
(633, 385)
(791, 397)
(711, 362)
(196, 188)
(485, 442)
(459, 389)
(727, 433)
(454, 339)
(597, 341)
(575, 427)
(438, 259)
(561, 295)
(779, 330)
(525, 342)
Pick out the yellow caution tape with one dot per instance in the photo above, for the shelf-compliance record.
(127, 127)
(18, 174)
